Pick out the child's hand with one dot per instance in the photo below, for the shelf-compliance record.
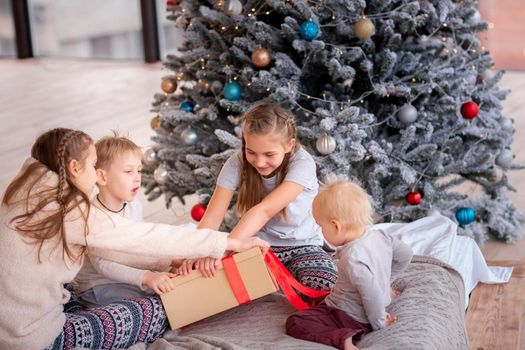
(159, 281)
(242, 244)
(186, 267)
(394, 293)
(207, 266)
(390, 320)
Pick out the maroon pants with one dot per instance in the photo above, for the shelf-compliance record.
(326, 325)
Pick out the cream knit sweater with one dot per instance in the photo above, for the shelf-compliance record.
(32, 293)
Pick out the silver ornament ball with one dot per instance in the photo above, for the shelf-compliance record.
(233, 7)
(407, 114)
(325, 144)
(504, 159)
(475, 17)
(487, 74)
(149, 157)
(161, 174)
(506, 124)
(189, 136)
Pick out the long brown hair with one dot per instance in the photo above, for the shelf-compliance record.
(53, 150)
(263, 119)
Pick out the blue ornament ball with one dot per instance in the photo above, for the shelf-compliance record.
(465, 216)
(309, 30)
(187, 106)
(232, 91)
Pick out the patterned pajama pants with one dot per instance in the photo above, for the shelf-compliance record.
(309, 264)
(115, 326)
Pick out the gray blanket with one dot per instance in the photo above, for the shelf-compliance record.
(430, 314)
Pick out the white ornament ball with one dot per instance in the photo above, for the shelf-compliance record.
(233, 7)
(407, 114)
(487, 74)
(149, 157)
(325, 144)
(506, 124)
(161, 174)
(496, 174)
(504, 159)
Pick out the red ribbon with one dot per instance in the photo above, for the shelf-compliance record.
(172, 3)
(290, 286)
(235, 279)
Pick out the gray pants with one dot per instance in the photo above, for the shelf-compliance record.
(106, 294)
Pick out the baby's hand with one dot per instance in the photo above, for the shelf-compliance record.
(394, 293)
(159, 281)
(390, 320)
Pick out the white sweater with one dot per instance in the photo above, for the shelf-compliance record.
(32, 293)
(96, 271)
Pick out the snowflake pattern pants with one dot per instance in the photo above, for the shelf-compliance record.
(115, 326)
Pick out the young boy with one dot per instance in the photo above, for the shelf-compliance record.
(101, 282)
(368, 260)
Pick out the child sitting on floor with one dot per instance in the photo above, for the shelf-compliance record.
(101, 282)
(368, 260)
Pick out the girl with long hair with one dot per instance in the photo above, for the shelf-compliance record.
(276, 182)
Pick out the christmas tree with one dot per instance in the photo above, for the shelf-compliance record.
(397, 94)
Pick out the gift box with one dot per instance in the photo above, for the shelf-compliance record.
(239, 279)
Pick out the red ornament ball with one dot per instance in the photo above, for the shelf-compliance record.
(197, 212)
(469, 110)
(413, 198)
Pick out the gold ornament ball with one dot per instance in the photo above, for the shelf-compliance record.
(364, 28)
(155, 122)
(169, 85)
(261, 57)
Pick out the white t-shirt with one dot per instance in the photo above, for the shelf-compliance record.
(301, 228)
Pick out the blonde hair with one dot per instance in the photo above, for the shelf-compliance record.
(53, 150)
(345, 201)
(263, 119)
(111, 147)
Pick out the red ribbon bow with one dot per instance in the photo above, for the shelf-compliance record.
(290, 286)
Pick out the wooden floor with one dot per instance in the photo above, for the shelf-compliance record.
(97, 97)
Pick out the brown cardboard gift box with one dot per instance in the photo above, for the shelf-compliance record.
(196, 297)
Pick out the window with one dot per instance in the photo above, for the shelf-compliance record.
(170, 37)
(86, 29)
(7, 29)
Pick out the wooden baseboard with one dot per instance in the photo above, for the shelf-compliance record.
(496, 311)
